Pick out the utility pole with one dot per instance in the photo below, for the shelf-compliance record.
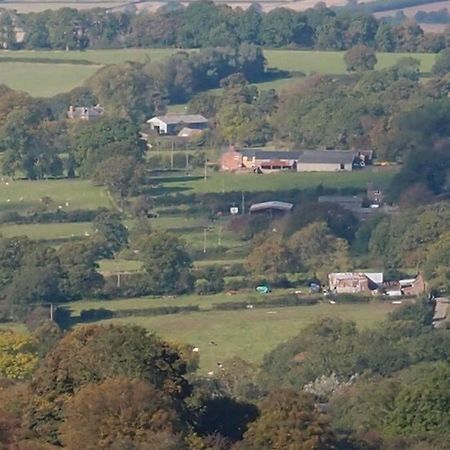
(206, 169)
(51, 312)
(204, 240)
(187, 159)
(243, 203)
(171, 154)
(219, 238)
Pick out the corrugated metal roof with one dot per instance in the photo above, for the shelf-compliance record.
(326, 157)
(375, 277)
(270, 154)
(174, 119)
(303, 156)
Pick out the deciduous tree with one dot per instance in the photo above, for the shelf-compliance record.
(360, 58)
(290, 419)
(166, 262)
(120, 413)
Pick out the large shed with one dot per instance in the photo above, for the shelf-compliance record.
(172, 123)
(326, 160)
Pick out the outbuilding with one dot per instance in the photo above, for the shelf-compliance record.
(326, 161)
(352, 283)
(171, 124)
(85, 112)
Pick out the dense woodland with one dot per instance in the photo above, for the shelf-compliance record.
(204, 24)
(330, 387)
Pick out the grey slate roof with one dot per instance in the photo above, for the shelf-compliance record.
(174, 119)
(327, 157)
(303, 156)
(270, 154)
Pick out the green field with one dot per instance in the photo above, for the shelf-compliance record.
(333, 62)
(21, 195)
(119, 265)
(249, 334)
(46, 79)
(204, 301)
(100, 57)
(226, 182)
(51, 231)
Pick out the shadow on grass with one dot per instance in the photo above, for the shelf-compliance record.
(164, 190)
(175, 179)
(273, 74)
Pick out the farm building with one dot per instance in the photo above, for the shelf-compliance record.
(410, 286)
(441, 312)
(326, 161)
(189, 133)
(271, 207)
(231, 160)
(85, 112)
(171, 124)
(352, 283)
(267, 161)
(413, 286)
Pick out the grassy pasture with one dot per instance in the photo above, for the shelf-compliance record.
(100, 57)
(46, 79)
(20, 195)
(225, 182)
(249, 334)
(204, 301)
(333, 62)
(52, 231)
(116, 265)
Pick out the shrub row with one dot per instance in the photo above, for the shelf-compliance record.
(227, 198)
(228, 270)
(352, 298)
(93, 315)
(16, 59)
(273, 302)
(59, 216)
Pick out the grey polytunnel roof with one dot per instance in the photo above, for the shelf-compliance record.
(282, 206)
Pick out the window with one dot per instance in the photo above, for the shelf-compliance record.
(342, 167)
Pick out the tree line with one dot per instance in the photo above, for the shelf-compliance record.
(332, 386)
(205, 24)
(35, 133)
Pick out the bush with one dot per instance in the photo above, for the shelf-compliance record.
(63, 317)
(93, 315)
(352, 298)
(59, 216)
(234, 284)
(131, 285)
(271, 302)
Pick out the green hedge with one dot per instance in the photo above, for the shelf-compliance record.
(93, 315)
(271, 302)
(352, 298)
